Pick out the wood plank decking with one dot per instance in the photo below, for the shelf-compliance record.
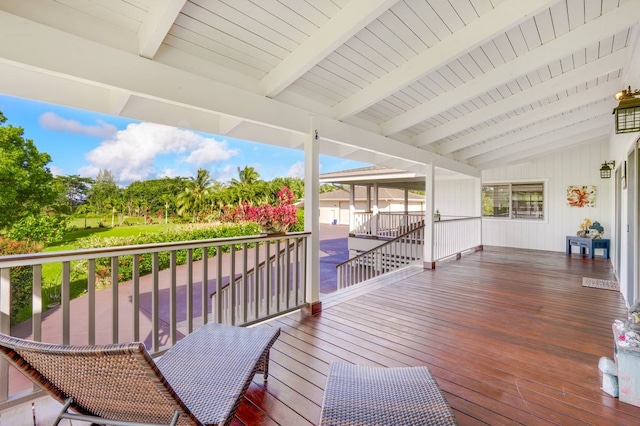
(511, 336)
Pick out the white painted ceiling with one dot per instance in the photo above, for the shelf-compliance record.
(464, 84)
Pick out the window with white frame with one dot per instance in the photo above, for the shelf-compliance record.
(513, 200)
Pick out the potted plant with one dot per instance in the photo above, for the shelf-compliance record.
(436, 215)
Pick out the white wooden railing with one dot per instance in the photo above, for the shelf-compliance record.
(362, 224)
(455, 235)
(386, 224)
(452, 235)
(392, 255)
(268, 280)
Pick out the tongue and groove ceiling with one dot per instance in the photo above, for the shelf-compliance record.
(466, 85)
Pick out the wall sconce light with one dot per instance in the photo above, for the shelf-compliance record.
(628, 111)
(605, 170)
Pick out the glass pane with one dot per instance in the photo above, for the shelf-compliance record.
(495, 200)
(527, 201)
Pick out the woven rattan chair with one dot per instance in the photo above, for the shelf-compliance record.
(199, 381)
(361, 396)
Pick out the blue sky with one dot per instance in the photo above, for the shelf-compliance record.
(83, 142)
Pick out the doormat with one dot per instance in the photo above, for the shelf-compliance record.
(604, 284)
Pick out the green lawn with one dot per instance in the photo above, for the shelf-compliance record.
(70, 239)
(52, 272)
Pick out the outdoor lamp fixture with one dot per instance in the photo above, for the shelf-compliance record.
(605, 170)
(628, 111)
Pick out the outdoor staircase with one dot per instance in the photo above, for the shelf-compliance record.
(399, 252)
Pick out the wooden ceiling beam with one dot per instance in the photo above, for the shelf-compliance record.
(585, 35)
(352, 18)
(505, 16)
(569, 80)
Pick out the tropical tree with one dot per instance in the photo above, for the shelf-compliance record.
(103, 190)
(25, 179)
(153, 191)
(247, 176)
(75, 190)
(193, 200)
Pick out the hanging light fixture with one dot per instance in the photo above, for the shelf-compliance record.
(628, 111)
(605, 170)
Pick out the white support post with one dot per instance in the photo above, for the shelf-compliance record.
(375, 211)
(406, 201)
(5, 315)
(312, 216)
(429, 187)
(352, 207)
(478, 208)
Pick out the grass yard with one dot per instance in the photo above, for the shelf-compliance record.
(52, 272)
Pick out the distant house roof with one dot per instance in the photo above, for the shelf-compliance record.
(389, 194)
(384, 194)
(384, 176)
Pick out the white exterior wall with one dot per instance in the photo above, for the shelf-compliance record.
(340, 209)
(456, 197)
(577, 166)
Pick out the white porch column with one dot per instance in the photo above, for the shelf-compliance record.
(429, 187)
(406, 201)
(478, 209)
(312, 217)
(5, 318)
(375, 210)
(352, 207)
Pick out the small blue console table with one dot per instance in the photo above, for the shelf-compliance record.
(588, 243)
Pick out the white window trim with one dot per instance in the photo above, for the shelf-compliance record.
(545, 195)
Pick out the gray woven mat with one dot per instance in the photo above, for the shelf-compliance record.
(604, 284)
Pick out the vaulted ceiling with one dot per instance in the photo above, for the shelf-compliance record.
(464, 84)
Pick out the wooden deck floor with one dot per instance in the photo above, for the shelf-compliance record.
(511, 337)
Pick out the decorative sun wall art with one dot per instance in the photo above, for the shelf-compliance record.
(581, 195)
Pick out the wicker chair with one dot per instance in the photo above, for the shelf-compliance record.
(199, 381)
(360, 396)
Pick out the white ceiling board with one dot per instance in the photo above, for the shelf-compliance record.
(591, 125)
(586, 35)
(536, 129)
(593, 69)
(448, 82)
(342, 26)
(525, 119)
(459, 43)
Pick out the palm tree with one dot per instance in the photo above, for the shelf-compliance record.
(194, 197)
(246, 176)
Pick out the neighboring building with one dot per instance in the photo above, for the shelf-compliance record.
(334, 205)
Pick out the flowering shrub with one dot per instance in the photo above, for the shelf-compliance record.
(272, 219)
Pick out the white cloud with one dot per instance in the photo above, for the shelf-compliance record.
(132, 152)
(296, 170)
(52, 121)
(225, 174)
(57, 171)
